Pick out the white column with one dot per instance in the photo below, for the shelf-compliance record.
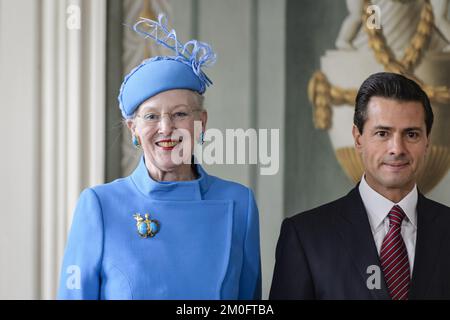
(73, 123)
(52, 83)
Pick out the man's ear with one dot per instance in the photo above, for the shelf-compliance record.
(356, 137)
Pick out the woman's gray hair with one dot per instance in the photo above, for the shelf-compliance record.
(200, 100)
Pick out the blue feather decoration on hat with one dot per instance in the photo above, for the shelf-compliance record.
(194, 53)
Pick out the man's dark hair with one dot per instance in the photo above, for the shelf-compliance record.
(391, 86)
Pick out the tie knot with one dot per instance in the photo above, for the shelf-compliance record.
(396, 216)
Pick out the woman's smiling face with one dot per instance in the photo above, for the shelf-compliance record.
(164, 126)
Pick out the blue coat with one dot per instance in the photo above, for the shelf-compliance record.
(207, 246)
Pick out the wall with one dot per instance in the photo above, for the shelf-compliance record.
(312, 175)
(19, 165)
(114, 79)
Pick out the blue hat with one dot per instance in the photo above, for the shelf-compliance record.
(162, 73)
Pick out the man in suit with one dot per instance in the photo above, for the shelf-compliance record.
(384, 239)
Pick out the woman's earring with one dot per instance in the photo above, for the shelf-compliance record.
(136, 142)
(201, 139)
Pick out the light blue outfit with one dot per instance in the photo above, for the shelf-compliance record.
(207, 246)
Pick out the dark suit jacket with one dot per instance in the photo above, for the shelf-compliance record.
(324, 253)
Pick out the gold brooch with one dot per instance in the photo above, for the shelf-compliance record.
(146, 227)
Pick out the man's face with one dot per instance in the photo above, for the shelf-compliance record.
(393, 144)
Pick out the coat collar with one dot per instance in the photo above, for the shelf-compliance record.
(178, 190)
(356, 233)
(430, 235)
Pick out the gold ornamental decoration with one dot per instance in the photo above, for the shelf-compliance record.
(413, 53)
(323, 95)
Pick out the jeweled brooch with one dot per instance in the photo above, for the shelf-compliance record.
(146, 227)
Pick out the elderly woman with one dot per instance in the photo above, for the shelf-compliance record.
(169, 230)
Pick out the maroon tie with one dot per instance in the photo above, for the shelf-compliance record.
(394, 257)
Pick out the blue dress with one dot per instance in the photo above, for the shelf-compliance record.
(207, 246)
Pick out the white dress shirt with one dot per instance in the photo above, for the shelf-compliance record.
(378, 208)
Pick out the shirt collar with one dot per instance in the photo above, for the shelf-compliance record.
(170, 190)
(378, 207)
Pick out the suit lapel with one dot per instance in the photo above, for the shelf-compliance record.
(355, 231)
(428, 244)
